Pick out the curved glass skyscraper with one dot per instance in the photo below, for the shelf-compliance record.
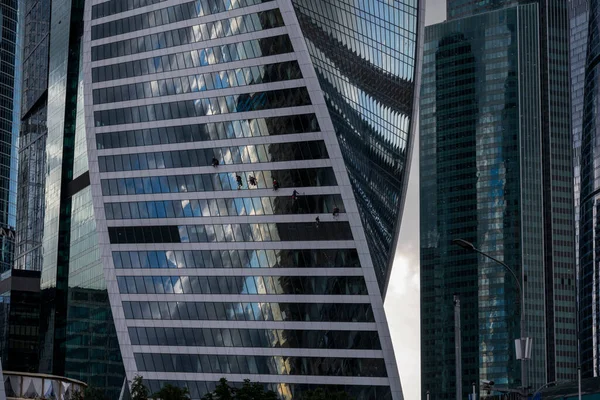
(248, 164)
(364, 57)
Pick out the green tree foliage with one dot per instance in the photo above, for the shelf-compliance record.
(170, 392)
(92, 393)
(76, 395)
(138, 390)
(248, 391)
(321, 394)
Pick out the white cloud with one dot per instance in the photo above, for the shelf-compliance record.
(402, 300)
(402, 310)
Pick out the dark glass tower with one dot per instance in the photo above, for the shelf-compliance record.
(589, 201)
(20, 314)
(57, 232)
(10, 83)
(579, 21)
(463, 8)
(35, 30)
(9, 128)
(495, 150)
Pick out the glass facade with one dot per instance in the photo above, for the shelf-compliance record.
(199, 83)
(284, 125)
(287, 390)
(56, 224)
(248, 311)
(588, 150)
(560, 272)
(560, 302)
(19, 316)
(250, 154)
(234, 26)
(222, 233)
(491, 175)
(578, 16)
(222, 207)
(301, 177)
(92, 348)
(462, 8)
(230, 337)
(228, 146)
(244, 50)
(12, 330)
(263, 365)
(10, 99)
(326, 258)
(35, 28)
(366, 55)
(313, 285)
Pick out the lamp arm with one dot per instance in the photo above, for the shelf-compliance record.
(509, 269)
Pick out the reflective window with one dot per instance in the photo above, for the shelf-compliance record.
(112, 7)
(264, 365)
(227, 207)
(218, 182)
(205, 157)
(284, 232)
(194, 58)
(322, 258)
(195, 83)
(268, 285)
(244, 311)
(163, 16)
(203, 107)
(274, 338)
(190, 34)
(213, 131)
(366, 67)
(200, 388)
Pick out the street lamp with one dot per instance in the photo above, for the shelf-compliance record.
(523, 344)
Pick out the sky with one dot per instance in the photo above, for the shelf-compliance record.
(402, 300)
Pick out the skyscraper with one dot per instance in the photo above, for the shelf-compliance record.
(9, 133)
(578, 22)
(586, 167)
(464, 8)
(495, 156)
(248, 165)
(19, 318)
(56, 227)
(9, 128)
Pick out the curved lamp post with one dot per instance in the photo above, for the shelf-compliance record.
(523, 344)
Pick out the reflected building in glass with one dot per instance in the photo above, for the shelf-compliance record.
(586, 89)
(248, 164)
(495, 161)
(9, 128)
(56, 233)
(10, 98)
(578, 21)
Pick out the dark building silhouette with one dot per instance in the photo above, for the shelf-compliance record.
(495, 156)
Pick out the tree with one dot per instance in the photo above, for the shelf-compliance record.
(170, 392)
(321, 394)
(254, 391)
(138, 390)
(248, 391)
(92, 393)
(76, 395)
(222, 392)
